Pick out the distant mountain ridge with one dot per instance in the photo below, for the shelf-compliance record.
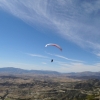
(12, 70)
(84, 75)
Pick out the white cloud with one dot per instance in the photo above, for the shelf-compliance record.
(63, 57)
(78, 20)
(79, 67)
(37, 55)
(98, 54)
(67, 58)
(44, 63)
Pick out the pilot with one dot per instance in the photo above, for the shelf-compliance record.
(51, 60)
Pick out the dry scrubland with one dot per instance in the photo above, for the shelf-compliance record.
(39, 87)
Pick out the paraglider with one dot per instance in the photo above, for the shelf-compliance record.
(51, 60)
(52, 44)
(55, 45)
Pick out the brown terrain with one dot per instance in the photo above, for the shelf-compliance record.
(32, 87)
(47, 87)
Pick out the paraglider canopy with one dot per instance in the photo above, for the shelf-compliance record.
(52, 44)
(55, 45)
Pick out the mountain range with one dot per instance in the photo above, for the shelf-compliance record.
(84, 75)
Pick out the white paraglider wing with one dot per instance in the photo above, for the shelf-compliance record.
(52, 44)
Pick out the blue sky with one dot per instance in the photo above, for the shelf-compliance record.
(26, 26)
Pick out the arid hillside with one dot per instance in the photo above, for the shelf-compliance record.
(43, 87)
